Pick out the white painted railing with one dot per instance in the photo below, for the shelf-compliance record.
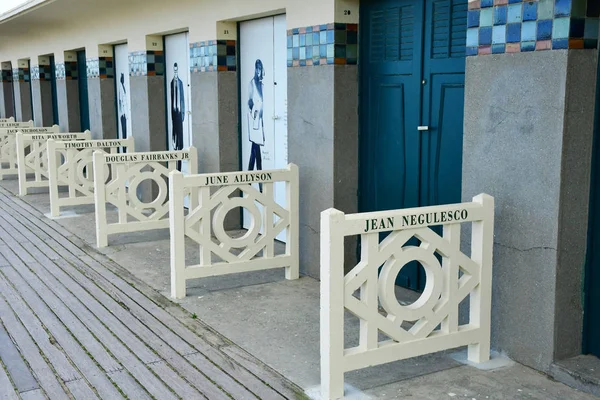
(8, 147)
(11, 119)
(218, 194)
(128, 171)
(76, 170)
(35, 161)
(13, 124)
(447, 284)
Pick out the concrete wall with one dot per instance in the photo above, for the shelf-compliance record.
(23, 111)
(323, 142)
(527, 142)
(7, 105)
(67, 93)
(42, 103)
(103, 114)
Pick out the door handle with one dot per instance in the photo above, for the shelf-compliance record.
(423, 128)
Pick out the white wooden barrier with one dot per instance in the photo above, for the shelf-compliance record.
(11, 119)
(36, 160)
(13, 124)
(128, 171)
(198, 225)
(76, 170)
(8, 147)
(445, 287)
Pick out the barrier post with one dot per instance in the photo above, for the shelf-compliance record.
(100, 200)
(293, 233)
(22, 173)
(332, 305)
(177, 219)
(480, 314)
(52, 170)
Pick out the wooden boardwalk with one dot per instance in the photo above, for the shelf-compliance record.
(75, 325)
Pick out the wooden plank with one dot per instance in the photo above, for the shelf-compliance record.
(174, 327)
(181, 387)
(36, 394)
(7, 390)
(30, 352)
(16, 367)
(76, 353)
(128, 385)
(122, 353)
(44, 341)
(46, 311)
(13, 243)
(80, 390)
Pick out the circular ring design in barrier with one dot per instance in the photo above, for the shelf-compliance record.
(433, 286)
(255, 222)
(151, 176)
(86, 179)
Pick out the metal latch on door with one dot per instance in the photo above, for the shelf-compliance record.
(423, 128)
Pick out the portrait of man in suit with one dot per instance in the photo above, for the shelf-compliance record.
(177, 109)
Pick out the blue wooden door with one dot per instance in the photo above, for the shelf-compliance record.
(591, 336)
(84, 102)
(53, 89)
(411, 106)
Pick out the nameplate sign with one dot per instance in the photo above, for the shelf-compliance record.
(396, 220)
(14, 131)
(15, 124)
(238, 178)
(90, 144)
(159, 156)
(59, 136)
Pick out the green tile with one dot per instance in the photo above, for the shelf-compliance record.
(486, 17)
(352, 51)
(560, 29)
(578, 8)
(340, 37)
(545, 9)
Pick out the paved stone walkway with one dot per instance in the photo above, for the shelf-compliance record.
(72, 327)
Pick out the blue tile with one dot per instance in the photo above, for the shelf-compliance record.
(485, 36)
(296, 53)
(544, 29)
(591, 28)
(499, 34)
(316, 38)
(530, 11)
(498, 49)
(289, 44)
(515, 13)
(500, 15)
(309, 52)
(309, 29)
(560, 44)
(471, 51)
(527, 46)
(323, 37)
(302, 53)
(473, 18)
(528, 30)
(330, 37)
(562, 8)
(487, 3)
(473, 37)
(302, 39)
(323, 50)
(560, 28)
(309, 39)
(296, 41)
(514, 1)
(513, 33)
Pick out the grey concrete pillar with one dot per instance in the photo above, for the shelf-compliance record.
(214, 120)
(7, 106)
(67, 93)
(101, 93)
(529, 145)
(323, 142)
(22, 92)
(41, 89)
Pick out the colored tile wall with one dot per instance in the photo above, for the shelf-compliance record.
(21, 74)
(41, 73)
(334, 43)
(101, 67)
(6, 75)
(512, 26)
(67, 71)
(147, 63)
(213, 55)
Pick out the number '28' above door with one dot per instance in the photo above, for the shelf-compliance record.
(412, 65)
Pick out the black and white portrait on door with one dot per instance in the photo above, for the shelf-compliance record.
(122, 90)
(263, 98)
(177, 73)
